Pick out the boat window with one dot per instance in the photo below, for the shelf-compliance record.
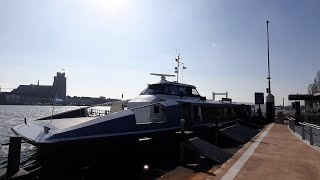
(183, 90)
(195, 92)
(152, 89)
(165, 89)
(156, 109)
(169, 90)
(173, 90)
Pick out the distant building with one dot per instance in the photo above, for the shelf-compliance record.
(59, 87)
(45, 94)
(33, 92)
(87, 101)
(12, 99)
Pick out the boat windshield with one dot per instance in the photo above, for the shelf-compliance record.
(170, 89)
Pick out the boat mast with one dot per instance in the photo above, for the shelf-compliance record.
(177, 68)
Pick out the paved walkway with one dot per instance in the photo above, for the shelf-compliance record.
(275, 153)
(279, 155)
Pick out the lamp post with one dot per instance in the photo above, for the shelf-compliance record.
(270, 110)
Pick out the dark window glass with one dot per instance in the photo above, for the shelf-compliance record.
(173, 90)
(156, 109)
(165, 89)
(189, 91)
(183, 90)
(152, 89)
(169, 90)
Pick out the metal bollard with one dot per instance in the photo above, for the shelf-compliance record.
(182, 141)
(290, 124)
(311, 136)
(14, 156)
(182, 123)
(293, 127)
(303, 133)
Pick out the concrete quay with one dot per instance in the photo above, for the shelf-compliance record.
(274, 153)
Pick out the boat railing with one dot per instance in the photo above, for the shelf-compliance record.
(304, 126)
(143, 106)
(97, 112)
(91, 111)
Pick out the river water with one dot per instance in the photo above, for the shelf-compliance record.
(64, 168)
(11, 115)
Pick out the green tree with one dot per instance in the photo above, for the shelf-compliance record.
(315, 86)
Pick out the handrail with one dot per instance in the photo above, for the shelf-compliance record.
(290, 118)
(291, 123)
(310, 125)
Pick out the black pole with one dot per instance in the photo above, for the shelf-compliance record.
(269, 78)
(14, 156)
(270, 110)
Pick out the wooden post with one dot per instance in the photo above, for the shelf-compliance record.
(14, 156)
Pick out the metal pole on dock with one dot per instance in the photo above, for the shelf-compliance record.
(269, 86)
(270, 110)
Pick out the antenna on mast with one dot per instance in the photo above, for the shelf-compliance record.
(177, 68)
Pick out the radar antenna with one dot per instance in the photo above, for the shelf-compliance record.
(163, 76)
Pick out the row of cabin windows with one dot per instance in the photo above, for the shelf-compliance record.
(169, 89)
(221, 113)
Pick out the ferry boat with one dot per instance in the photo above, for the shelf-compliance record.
(158, 110)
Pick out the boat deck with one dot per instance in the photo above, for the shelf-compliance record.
(274, 153)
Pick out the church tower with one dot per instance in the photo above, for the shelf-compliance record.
(60, 85)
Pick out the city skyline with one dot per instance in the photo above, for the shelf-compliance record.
(109, 48)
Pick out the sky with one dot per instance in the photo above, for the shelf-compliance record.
(110, 47)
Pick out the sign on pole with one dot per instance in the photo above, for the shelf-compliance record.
(258, 98)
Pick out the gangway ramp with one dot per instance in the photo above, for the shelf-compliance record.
(239, 133)
(208, 150)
